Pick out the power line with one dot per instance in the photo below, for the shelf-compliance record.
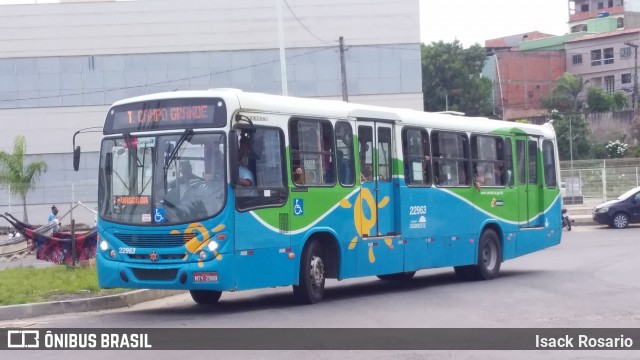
(304, 26)
(168, 82)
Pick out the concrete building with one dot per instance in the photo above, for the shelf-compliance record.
(62, 65)
(520, 79)
(604, 60)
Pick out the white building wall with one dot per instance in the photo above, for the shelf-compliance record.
(157, 26)
(62, 65)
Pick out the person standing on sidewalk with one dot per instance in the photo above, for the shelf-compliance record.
(54, 216)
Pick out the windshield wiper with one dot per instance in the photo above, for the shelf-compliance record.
(127, 139)
(174, 153)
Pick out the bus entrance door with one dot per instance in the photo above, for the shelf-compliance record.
(530, 212)
(378, 251)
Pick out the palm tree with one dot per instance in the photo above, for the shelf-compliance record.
(15, 176)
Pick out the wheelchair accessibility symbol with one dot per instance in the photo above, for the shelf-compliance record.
(158, 215)
(298, 207)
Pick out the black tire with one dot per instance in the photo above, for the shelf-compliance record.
(489, 257)
(312, 275)
(403, 276)
(205, 297)
(620, 220)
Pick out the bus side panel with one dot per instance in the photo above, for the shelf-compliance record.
(534, 239)
(457, 229)
(262, 253)
(438, 226)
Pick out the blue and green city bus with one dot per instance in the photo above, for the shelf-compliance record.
(225, 190)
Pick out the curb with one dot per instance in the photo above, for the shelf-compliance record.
(14, 312)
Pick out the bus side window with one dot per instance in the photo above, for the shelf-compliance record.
(312, 152)
(344, 153)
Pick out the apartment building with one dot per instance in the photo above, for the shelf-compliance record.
(581, 11)
(604, 60)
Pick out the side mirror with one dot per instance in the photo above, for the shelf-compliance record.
(76, 158)
(233, 157)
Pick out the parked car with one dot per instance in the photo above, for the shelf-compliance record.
(619, 213)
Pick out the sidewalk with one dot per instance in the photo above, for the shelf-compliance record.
(128, 299)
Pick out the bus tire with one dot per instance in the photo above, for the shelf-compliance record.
(489, 257)
(312, 275)
(205, 297)
(403, 276)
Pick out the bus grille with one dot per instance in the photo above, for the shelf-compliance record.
(155, 240)
(155, 274)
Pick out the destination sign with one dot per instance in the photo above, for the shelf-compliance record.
(166, 114)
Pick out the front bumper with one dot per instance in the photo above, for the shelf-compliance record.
(216, 274)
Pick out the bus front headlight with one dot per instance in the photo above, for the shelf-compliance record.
(213, 246)
(104, 245)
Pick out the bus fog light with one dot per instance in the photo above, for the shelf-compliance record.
(213, 246)
(203, 255)
(104, 245)
(112, 253)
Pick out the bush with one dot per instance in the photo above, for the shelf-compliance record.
(616, 149)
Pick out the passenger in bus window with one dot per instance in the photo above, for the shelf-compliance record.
(298, 176)
(366, 173)
(244, 174)
(499, 174)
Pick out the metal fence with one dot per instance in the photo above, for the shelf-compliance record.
(599, 180)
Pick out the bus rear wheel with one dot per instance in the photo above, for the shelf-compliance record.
(205, 297)
(403, 276)
(310, 289)
(489, 259)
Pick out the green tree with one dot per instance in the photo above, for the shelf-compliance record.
(564, 95)
(451, 75)
(619, 101)
(577, 139)
(598, 100)
(18, 177)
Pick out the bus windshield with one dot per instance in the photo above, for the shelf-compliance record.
(156, 180)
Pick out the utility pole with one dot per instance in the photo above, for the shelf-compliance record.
(283, 58)
(343, 72)
(635, 74)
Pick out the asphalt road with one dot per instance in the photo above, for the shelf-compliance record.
(589, 281)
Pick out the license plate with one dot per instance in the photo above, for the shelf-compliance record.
(205, 277)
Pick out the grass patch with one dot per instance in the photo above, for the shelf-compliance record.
(23, 285)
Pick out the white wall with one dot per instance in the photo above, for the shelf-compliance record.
(152, 26)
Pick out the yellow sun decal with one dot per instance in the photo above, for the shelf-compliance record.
(364, 224)
(198, 242)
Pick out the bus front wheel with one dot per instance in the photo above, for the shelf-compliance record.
(205, 297)
(312, 275)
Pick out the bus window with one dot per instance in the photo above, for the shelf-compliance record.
(549, 162)
(384, 154)
(508, 162)
(365, 137)
(344, 153)
(521, 163)
(533, 161)
(417, 159)
(264, 158)
(488, 160)
(312, 154)
(450, 158)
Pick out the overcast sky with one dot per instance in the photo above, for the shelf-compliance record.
(474, 21)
